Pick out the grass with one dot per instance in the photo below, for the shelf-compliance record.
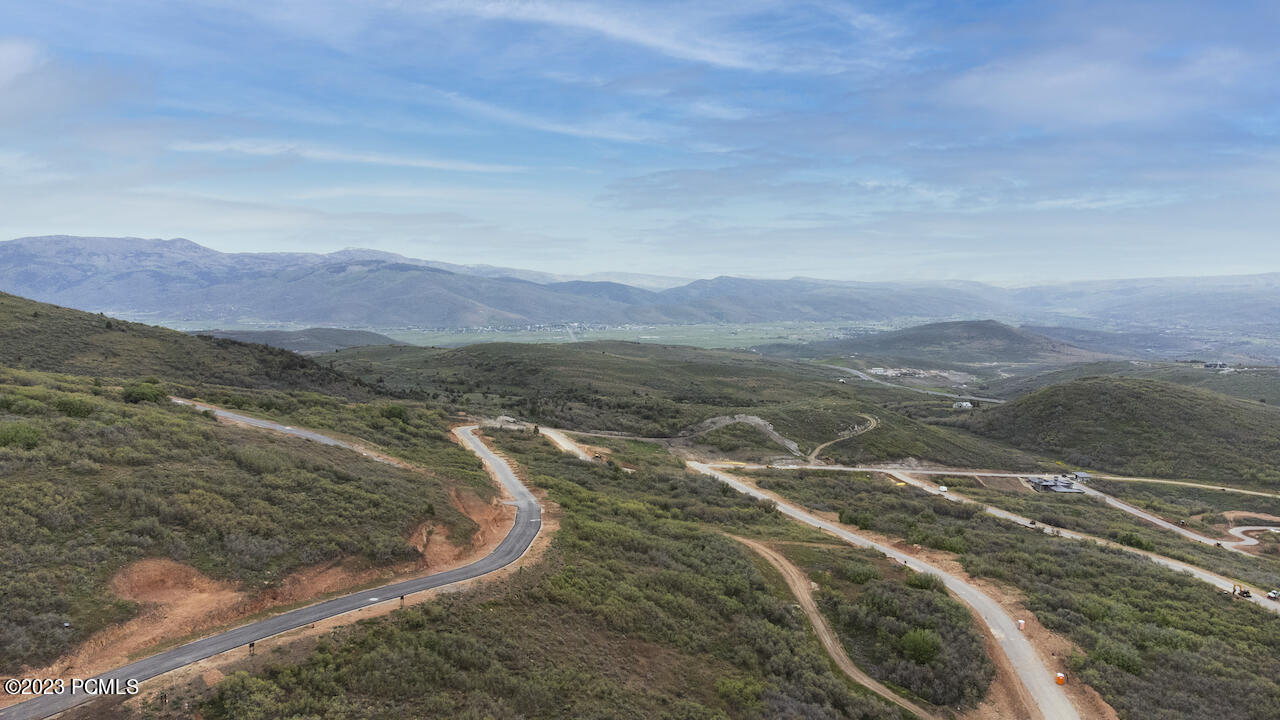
(92, 482)
(1144, 428)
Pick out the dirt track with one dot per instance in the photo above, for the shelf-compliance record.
(799, 584)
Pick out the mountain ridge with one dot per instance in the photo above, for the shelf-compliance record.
(180, 281)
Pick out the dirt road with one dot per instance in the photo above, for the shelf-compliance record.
(798, 582)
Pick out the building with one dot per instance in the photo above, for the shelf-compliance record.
(1059, 484)
(962, 405)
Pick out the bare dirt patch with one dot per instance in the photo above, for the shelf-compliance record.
(1234, 515)
(296, 645)
(179, 602)
(1007, 484)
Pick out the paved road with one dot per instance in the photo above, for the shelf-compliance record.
(905, 475)
(864, 376)
(1035, 677)
(527, 525)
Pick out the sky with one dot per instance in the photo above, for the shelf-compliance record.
(1007, 142)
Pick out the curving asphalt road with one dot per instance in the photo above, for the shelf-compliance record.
(1035, 677)
(527, 525)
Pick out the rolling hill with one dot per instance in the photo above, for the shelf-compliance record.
(305, 342)
(662, 390)
(967, 341)
(1144, 428)
(39, 336)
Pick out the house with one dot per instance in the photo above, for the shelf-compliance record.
(962, 405)
(1059, 484)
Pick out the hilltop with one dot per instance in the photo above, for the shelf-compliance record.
(965, 341)
(39, 336)
(1143, 428)
(305, 342)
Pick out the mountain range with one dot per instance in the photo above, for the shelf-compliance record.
(179, 281)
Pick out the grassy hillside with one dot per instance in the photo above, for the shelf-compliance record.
(38, 336)
(92, 481)
(1144, 428)
(642, 608)
(1249, 383)
(309, 341)
(659, 390)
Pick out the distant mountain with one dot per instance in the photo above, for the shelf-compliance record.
(1242, 300)
(305, 342)
(178, 281)
(968, 341)
(1144, 428)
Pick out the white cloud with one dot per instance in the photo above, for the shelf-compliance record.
(618, 127)
(1099, 84)
(18, 57)
(284, 148)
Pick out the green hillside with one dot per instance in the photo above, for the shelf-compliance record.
(1249, 383)
(95, 477)
(309, 341)
(39, 336)
(1144, 428)
(967, 341)
(660, 390)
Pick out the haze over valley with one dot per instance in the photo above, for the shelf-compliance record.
(558, 359)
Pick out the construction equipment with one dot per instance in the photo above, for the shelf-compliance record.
(1241, 591)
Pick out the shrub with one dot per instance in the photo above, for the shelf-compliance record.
(927, 581)
(144, 392)
(922, 645)
(20, 435)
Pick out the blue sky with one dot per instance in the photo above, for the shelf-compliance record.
(1001, 141)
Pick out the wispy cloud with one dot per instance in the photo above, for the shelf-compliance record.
(618, 127)
(284, 148)
(17, 58)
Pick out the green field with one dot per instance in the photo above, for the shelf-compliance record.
(705, 335)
